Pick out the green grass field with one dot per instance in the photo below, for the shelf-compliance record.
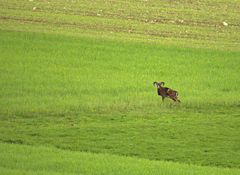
(41, 160)
(77, 77)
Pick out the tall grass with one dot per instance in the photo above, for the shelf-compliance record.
(47, 73)
(97, 95)
(79, 76)
(18, 159)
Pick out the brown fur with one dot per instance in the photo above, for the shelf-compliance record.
(166, 92)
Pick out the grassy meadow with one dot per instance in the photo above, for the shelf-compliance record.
(42, 160)
(77, 94)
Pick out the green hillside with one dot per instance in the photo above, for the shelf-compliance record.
(18, 159)
(77, 76)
